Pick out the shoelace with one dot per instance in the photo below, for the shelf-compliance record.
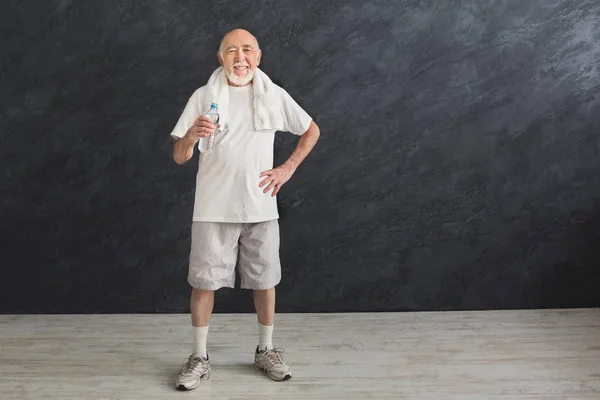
(274, 355)
(191, 363)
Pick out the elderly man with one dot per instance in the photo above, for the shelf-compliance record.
(235, 210)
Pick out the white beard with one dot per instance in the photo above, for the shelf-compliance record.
(240, 80)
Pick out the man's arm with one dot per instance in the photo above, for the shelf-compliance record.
(280, 175)
(183, 149)
(305, 145)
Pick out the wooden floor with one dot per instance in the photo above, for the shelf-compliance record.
(450, 355)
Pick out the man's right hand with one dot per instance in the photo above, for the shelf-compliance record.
(202, 128)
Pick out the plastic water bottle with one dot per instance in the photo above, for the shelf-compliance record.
(207, 145)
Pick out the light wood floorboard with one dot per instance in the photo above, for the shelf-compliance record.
(527, 354)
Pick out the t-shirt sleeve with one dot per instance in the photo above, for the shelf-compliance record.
(295, 119)
(186, 119)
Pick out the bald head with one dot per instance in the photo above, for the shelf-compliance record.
(239, 35)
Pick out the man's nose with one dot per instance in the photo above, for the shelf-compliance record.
(239, 56)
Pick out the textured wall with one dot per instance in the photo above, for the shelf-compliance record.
(458, 165)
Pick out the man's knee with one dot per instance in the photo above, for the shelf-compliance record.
(200, 294)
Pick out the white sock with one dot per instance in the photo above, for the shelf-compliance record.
(265, 337)
(200, 335)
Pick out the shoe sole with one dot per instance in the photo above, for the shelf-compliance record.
(273, 377)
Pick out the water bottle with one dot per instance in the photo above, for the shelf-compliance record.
(208, 144)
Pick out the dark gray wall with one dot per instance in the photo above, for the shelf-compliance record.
(458, 166)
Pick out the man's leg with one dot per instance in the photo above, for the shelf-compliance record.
(268, 358)
(212, 266)
(260, 270)
(201, 305)
(264, 302)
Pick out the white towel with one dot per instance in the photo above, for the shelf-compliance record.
(267, 107)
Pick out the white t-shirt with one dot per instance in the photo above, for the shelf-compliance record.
(227, 180)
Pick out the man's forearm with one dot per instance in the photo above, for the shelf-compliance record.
(305, 145)
(183, 149)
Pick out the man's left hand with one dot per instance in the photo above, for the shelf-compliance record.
(277, 177)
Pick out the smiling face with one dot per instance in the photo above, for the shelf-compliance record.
(239, 55)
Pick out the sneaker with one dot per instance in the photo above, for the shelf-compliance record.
(271, 362)
(194, 369)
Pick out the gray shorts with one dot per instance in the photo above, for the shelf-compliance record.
(218, 246)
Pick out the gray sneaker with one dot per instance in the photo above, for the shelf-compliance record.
(271, 362)
(194, 369)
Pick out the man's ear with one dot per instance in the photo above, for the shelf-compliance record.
(258, 57)
(219, 58)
